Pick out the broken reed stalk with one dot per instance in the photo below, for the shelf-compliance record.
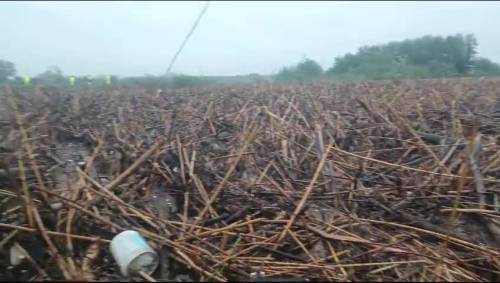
(53, 233)
(125, 174)
(248, 138)
(306, 193)
(26, 195)
(29, 151)
(69, 220)
(476, 148)
(85, 211)
(146, 276)
(454, 240)
(129, 171)
(52, 248)
(235, 205)
(408, 168)
(421, 142)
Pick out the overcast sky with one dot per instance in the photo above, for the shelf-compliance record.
(137, 38)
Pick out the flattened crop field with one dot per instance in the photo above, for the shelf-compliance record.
(395, 181)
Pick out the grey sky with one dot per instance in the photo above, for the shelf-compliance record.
(137, 38)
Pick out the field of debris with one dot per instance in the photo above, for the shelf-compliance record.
(376, 181)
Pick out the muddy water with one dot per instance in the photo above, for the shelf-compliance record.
(71, 154)
(164, 202)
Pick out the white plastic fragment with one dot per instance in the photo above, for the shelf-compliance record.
(56, 205)
(16, 255)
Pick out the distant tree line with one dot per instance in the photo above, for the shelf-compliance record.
(7, 71)
(424, 57)
(53, 76)
(304, 71)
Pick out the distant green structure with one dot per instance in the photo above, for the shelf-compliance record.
(27, 80)
(108, 80)
(72, 80)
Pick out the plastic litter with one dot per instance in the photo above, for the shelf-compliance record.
(16, 255)
(133, 254)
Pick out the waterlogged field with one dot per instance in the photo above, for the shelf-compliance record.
(348, 181)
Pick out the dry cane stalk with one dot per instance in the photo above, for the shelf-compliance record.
(307, 192)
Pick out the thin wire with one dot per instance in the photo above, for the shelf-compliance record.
(205, 8)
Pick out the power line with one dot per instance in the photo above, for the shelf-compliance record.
(205, 8)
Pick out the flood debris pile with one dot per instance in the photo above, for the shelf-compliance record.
(356, 181)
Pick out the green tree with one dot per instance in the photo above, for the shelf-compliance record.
(483, 66)
(427, 56)
(181, 81)
(305, 70)
(461, 51)
(309, 69)
(285, 74)
(7, 70)
(52, 76)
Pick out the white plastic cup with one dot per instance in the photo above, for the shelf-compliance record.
(133, 254)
